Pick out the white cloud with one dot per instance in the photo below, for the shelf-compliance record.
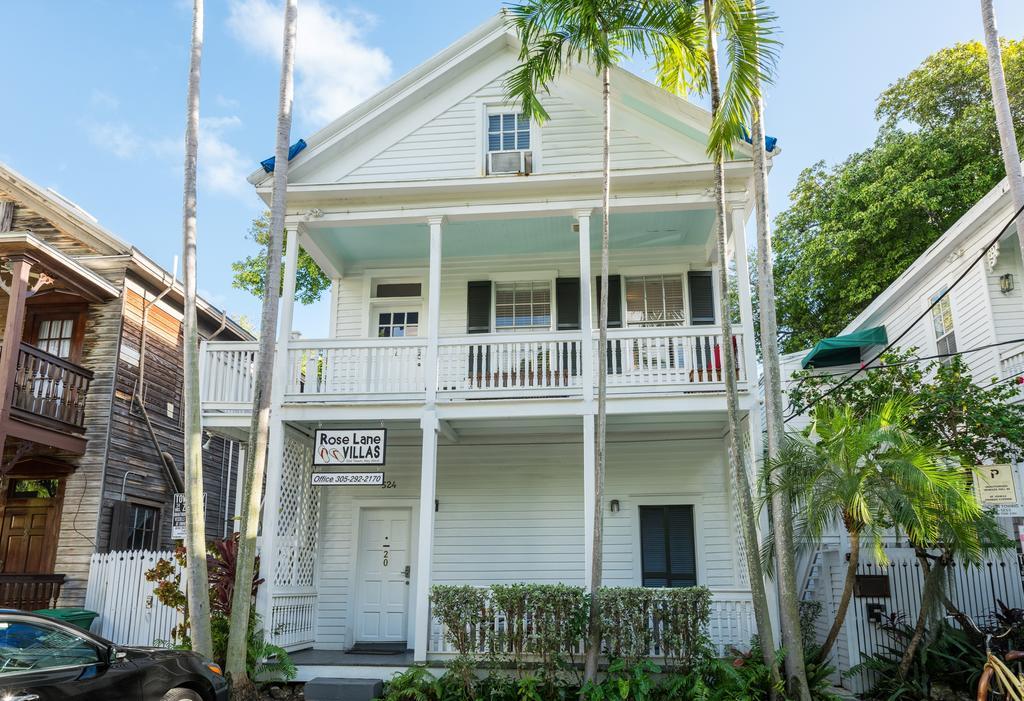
(119, 138)
(222, 167)
(335, 68)
(104, 100)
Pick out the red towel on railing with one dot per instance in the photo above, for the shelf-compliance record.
(718, 354)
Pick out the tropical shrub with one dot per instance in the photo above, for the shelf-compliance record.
(264, 660)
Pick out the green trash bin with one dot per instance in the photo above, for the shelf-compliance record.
(82, 618)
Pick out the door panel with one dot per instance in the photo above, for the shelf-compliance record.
(26, 539)
(382, 589)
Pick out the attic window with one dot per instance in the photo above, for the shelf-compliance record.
(508, 143)
(508, 131)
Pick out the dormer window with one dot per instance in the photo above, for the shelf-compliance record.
(508, 143)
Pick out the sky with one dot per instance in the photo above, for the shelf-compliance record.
(94, 98)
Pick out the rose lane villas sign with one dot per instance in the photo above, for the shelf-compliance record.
(349, 447)
(343, 446)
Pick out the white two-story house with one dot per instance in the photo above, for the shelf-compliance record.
(463, 240)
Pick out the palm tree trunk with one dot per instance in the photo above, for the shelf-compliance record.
(259, 429)
(930, 597)
(748, 518)
(195, 531)
(596, 563)
(1004, 120)
(844, 600)
(782, 513)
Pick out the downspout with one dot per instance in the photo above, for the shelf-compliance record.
(167, 460)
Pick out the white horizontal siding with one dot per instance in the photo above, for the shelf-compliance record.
(351, 314)
(451, 144)
(1008, 309)
(511, 511)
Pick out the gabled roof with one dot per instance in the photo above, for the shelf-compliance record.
(491, 36)
(74, 220)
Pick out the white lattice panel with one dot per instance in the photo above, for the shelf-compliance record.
(298, 518)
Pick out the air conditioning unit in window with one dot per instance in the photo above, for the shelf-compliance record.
(509, 162)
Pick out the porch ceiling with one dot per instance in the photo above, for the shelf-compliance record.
(511, 236)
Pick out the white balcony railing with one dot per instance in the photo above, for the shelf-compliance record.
(369, 368)
(668, 356)
(684, 359)
(1011, 362)
(511, 365)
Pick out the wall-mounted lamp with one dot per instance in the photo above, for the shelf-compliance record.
(437, 505)
(615, 506)
(1006, 283)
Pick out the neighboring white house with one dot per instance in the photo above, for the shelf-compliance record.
(463, 240)
(981, 317)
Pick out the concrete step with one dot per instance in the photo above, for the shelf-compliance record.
(330, 689)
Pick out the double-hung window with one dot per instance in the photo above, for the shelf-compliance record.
(522, 306)
(942, 323)
(655, 300)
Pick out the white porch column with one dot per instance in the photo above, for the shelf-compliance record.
(737, 227)
(589, 487)
(586, 304)
(430, 368)
(425, 547)
(276, 437)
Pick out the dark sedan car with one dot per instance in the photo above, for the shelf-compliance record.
(42, 659)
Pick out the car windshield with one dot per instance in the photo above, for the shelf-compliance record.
(28, 646)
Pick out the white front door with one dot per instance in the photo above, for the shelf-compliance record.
(382, 588)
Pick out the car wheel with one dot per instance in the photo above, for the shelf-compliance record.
(181, 695)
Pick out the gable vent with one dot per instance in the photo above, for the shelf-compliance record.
(509, 162)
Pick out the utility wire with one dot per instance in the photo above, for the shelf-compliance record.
(922, 315)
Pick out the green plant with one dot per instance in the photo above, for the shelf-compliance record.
(264, 660)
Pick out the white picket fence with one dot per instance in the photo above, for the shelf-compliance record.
(118, 591)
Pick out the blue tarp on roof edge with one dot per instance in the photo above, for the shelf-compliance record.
(769, 141)
(844, 350)
(293, 150)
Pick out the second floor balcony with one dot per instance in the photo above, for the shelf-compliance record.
(676, 359)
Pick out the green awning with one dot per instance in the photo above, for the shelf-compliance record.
(844, 350)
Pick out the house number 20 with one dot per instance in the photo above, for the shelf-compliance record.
(385, 558)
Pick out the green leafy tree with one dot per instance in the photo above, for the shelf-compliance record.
(250, 273)
(868, 473)
(853, 228)
(975, 421)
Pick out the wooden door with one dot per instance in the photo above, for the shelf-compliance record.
(383, 576)
(27, 538)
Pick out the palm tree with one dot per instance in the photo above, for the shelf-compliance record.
(868, 473)
(683, 64)
(259, 429)
(195, 531)
(781, 509)
(554, 35)
(1004, 120)
(966, 533)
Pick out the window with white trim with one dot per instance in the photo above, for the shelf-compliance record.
(508, 131)
(942, 324)
(655, 300)
(522, 306)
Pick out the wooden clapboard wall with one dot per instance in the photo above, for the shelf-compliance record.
(131, 448)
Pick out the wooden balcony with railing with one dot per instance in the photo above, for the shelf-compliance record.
(677, 359)
(49, 390)
(30, 592)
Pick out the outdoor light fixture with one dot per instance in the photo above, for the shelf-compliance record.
(1006, 283)
(615, 506)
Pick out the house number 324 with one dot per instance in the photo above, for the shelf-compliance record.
(389, 484)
